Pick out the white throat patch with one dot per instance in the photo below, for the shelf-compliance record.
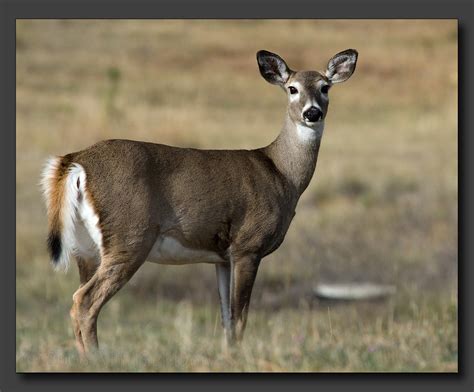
(307, 134)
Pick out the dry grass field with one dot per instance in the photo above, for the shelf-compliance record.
(382, 206)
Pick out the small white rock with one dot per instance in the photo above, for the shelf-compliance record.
(353, 291)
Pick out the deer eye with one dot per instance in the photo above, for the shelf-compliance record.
(292, 90)
(325, 89)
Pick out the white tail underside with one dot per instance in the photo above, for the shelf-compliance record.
(80, 233)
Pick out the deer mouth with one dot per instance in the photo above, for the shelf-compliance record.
(312, 123)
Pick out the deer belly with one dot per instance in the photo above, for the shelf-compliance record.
(168, 250)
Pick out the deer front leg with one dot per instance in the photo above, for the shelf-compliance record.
(243, 272)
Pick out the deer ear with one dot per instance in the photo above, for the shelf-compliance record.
(272, 67)
(342, 66)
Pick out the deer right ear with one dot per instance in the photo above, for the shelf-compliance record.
(273, 68)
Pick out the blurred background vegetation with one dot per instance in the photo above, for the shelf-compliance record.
(382, 206)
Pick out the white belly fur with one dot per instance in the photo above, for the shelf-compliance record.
(168, 250)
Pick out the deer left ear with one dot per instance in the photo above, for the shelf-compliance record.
(342, 66)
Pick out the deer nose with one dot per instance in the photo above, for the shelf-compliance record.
(313, 114)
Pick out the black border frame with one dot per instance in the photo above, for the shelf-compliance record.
(147, 9)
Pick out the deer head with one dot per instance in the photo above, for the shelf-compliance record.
(308, 91)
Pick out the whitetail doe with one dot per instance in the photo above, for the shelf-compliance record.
(120, 203)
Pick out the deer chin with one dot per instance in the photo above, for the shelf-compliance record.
(312, 124)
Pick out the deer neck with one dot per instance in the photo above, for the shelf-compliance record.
(295, 152)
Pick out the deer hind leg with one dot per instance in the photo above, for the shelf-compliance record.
(223, 286)
(114, 271)
(243, 273)
(87, 268)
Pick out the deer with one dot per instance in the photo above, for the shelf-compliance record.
(119, 203)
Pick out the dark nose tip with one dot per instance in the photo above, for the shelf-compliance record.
(313, 114)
